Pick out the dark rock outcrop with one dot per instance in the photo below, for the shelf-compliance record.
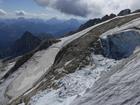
(124, 12)
(136, 11)
(90, 23)
(96, 21)
(107, 17)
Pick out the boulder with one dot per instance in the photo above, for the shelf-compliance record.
(124, 12)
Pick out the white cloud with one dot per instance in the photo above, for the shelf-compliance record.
(118, 5)
(20, 13)
(87, 8)
(72, 7)
(2, 12)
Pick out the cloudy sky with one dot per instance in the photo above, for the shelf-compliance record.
(63, 8)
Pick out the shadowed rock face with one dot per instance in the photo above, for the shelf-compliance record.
(120, 45)
(136, 11)
(124, 12)
(26, 43)
(96, 21)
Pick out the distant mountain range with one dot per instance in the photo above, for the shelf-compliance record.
(11, 29)
(14, 27)
(25, 44)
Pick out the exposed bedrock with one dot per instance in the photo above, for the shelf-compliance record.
(120, 45)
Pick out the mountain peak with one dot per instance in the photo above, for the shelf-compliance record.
(26, 43)
(28, 35)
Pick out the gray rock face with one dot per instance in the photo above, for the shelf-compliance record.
(124, 12)
(120, 45)
(136, 11)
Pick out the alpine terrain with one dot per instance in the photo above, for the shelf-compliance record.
(99, 65)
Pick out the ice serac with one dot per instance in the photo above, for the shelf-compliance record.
(120, 45)
(119, 87)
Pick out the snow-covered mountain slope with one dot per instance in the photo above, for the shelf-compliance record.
(120, 86)
(35, 68)
(67, 69)
(82, 87)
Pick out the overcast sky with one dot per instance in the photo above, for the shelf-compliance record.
(63, 8)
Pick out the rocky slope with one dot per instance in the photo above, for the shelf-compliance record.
(84, 68)
(95, 21)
